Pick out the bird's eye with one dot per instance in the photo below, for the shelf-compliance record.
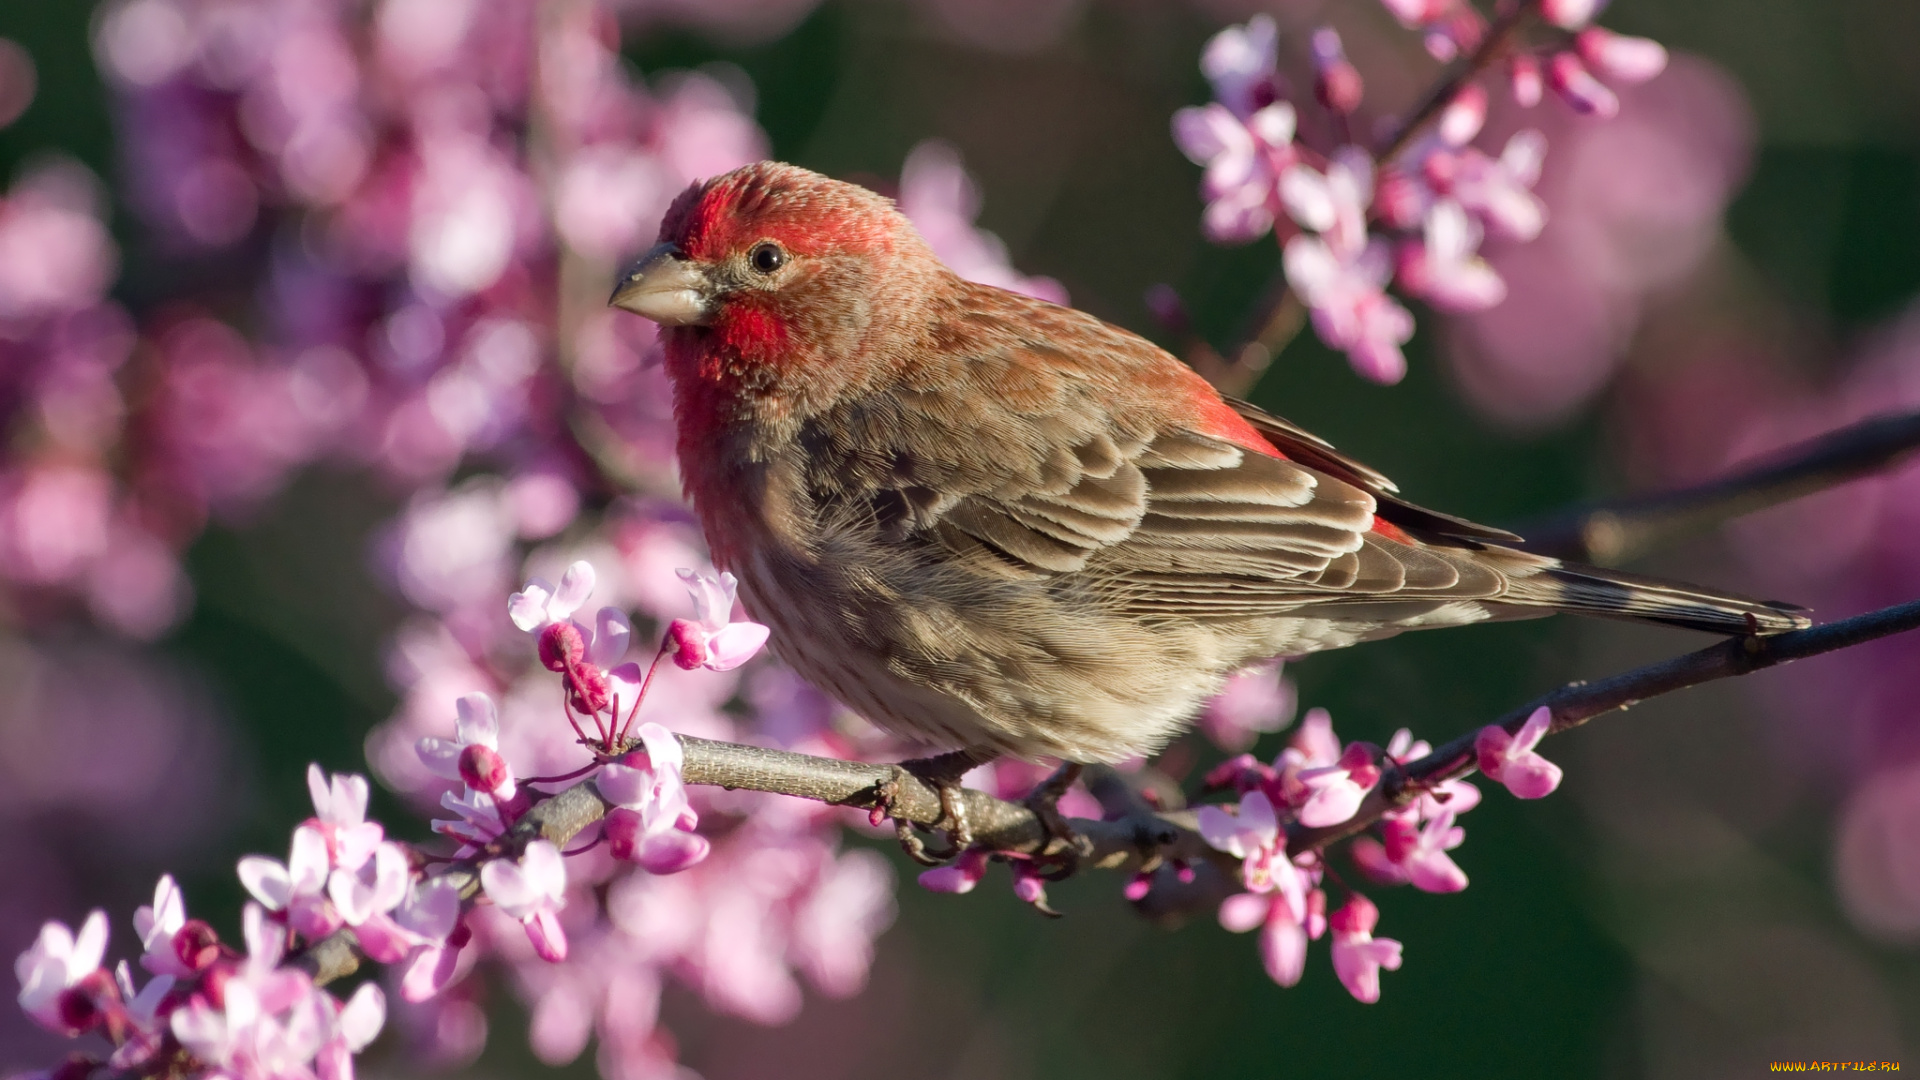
(767, 257)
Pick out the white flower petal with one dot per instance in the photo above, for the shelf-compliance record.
(479, 721)
(575, 586)
(267, 880)
(363, 1017)
(528, 607)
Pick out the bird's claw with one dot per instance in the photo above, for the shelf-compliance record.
(1063, 848)
(941, 773)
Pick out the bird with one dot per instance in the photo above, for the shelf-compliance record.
(1002, 527)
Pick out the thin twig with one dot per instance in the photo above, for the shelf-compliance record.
(1492, 47)
(1619, 530)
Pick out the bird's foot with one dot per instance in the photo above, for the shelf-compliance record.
(1063, 848)
(942, 773)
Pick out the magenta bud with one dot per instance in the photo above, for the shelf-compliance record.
(196, 944)
(588, 688)
(1184, 872)
(1359, 916)
(561, 645)
(214, 982)
(1138, 887)
(687, 643)
(78, 1010)
(1398, 838)
(1028, 886)
(76, 1067)
(1340, 88)
(623, 829)
(482, 768)
(461, 935)
(1439, 169)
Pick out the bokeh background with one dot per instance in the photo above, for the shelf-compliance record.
(1730, 876)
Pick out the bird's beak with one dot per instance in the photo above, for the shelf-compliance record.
(665, 286)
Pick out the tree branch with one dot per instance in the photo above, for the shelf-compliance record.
(1576, 703)
(1619, 530)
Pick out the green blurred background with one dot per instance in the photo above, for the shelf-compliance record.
(1551, 964)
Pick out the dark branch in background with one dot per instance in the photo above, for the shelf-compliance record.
(1619, 530)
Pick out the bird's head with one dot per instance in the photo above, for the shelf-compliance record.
(776, 263)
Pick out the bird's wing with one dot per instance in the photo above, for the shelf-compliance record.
(1070, 465)
(1309, 449)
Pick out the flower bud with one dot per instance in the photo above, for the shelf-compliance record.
(561, 645)
(1359, 916)
(196, 944)
(482, 768)
(588, 688)
(687, 644)
(1524, 71)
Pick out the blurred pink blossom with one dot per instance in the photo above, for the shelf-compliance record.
(943, 201)
(1254, 701)
(1637, 206)
(1358, 956)
(1512, 760)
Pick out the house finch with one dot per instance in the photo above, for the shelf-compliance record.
(987, 522)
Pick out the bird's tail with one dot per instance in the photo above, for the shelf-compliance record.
(1591, 590)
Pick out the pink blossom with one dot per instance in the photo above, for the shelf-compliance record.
(539, 605)
(1286, 920)
(298, 886)
(1244, 139)
(340, 807)
(942, 201)
(1511, 759)
(1570, 14)
(711, 639)
(1254, 701)
(1445, 266)
(958, 876)
(1252, 835)
(430, 919)
(1340, 273)
(1570, 79)
(1239, 63)
(1619, 57)
(1358, 956)
(1426, 862)
(653, 825)
(477, 819)
(375, 888)
(267, 1020)
(1337, 84)
(141, 1012)
(1448, 27)
(473, 755)
(1335, 791)
(1244, 160)
(532, 890)
(172, 944)
(58, 961)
